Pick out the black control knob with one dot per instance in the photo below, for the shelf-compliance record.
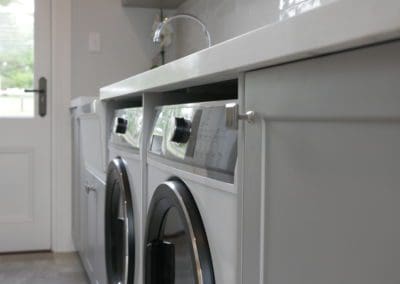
(182, 130)
(121, 125)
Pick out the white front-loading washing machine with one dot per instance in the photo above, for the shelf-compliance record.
(192, 220)
(123, 213)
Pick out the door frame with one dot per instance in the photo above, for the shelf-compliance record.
(60, 87)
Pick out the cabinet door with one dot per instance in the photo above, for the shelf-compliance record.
(76, 181)
(101, 276)
(91, 208)
(322, 170)
(84, 175)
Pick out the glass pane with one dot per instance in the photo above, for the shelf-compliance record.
(291, 8)
(174, 233)
(16, 57)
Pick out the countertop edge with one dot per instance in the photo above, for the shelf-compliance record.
(347, 28)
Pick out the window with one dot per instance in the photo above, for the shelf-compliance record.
(16, 58)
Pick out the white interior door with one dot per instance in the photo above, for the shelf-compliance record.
(25, 145)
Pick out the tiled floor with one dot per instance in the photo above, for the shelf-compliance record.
(41, 268)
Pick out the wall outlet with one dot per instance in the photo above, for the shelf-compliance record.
(94, 42)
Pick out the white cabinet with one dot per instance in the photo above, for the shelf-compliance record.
(88, 223)
(99, 238)
(92, 251)
(322, 170)
(89, 190)
(76, 179)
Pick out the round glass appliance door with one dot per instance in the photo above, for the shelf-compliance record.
(177, 250)
(119, 225)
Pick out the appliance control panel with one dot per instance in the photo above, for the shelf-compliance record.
(195, 134)
(127, 127)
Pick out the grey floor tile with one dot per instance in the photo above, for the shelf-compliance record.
(41, 268)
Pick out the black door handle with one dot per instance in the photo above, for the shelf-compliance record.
(35, 91)
(42, 91)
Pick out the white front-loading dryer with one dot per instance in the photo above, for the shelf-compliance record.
(192, 220)
(123, 212)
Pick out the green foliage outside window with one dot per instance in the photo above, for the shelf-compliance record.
(16, 69)
(5, 2)
(16, 50)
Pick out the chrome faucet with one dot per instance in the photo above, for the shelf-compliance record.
(160, 27)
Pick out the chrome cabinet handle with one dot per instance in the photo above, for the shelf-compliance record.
(232, 116)
(89, 188)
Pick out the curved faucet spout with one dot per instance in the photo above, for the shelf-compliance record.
(160, 27)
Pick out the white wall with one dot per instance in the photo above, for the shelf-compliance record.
(227, 19)
(126, 43)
